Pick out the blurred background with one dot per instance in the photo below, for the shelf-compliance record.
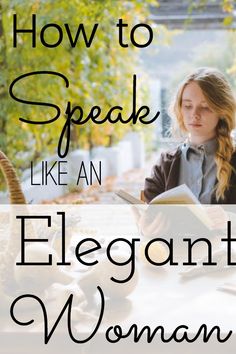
(187, 34)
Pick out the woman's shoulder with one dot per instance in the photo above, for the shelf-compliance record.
(171, 154)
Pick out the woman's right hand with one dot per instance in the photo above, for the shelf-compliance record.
(151, 222)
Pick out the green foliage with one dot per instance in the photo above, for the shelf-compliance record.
(99, 75)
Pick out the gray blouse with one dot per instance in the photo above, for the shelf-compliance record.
(198, 169)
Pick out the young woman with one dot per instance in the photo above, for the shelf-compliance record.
(206, 162)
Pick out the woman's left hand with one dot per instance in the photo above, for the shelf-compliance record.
(218, 216)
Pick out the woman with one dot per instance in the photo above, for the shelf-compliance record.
(205, 109)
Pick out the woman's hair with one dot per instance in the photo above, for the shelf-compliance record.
(219, 96)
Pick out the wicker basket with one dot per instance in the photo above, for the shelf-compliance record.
(15, 191)
(8, 250)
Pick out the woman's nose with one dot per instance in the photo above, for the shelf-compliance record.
(196, 113)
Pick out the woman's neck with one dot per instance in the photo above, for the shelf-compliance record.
(199, 140)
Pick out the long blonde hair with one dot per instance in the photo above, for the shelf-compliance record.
(219, 96)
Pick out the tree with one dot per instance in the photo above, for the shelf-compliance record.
(98, 75)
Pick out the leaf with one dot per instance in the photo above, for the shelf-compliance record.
(228, 21)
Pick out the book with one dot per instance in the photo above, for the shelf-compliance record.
(177, 195)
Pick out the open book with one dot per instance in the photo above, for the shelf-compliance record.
(178, 195)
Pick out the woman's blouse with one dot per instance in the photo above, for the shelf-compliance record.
(198, 169)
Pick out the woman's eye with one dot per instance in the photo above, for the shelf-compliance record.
(187, 106)
(205, 108)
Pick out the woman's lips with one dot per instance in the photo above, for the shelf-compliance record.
(195, 125)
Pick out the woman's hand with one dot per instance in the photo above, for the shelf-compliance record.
(218, 217)
(151, 222)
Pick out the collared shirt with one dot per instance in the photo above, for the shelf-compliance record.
(198, 169)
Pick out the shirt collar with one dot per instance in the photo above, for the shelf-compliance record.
(209, 148)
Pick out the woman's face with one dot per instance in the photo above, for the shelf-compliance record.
(199, 119)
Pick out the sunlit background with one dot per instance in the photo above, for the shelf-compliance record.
(187, 34)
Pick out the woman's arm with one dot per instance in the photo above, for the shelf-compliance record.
(155, 184)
